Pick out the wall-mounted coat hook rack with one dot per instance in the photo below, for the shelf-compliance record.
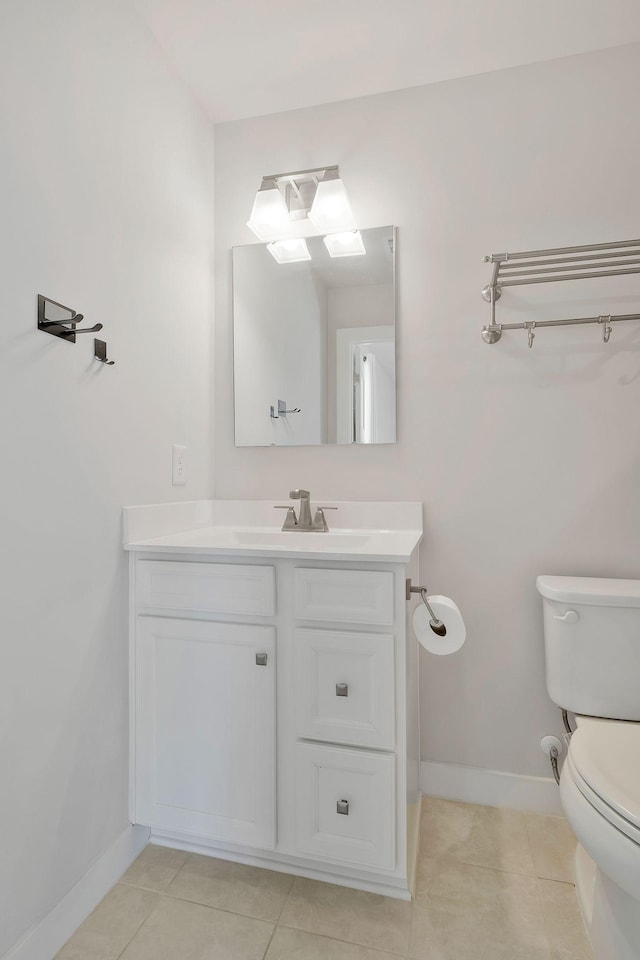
(60, 321)
(100, 352)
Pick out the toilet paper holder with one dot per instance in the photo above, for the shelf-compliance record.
(436, 625)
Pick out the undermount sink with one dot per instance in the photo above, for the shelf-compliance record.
(291, 538)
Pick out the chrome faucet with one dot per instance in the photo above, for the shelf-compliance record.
(303, 522)
(304, 517)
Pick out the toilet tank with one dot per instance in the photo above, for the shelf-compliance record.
(592, 645)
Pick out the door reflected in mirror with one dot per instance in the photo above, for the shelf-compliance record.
(314, 343)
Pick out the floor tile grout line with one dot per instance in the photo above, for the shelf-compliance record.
(483, 866)
(209, 906)
(268, 946)
(286, 899)
(141, 886)
(179, 871)
(352, 943)
(135, 934)
(571, 882)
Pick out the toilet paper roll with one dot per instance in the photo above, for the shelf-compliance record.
(447, 611)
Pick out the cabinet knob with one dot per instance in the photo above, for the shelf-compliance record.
(342, 806)
(261, 659)
(342, 689)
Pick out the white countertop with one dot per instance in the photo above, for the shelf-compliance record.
(371, 532)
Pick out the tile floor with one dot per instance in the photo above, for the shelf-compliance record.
(492, 885)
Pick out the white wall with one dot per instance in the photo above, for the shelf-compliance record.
(106, 197)
(527, 461)
(280, 312)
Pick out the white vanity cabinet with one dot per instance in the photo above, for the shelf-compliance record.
(274, 716)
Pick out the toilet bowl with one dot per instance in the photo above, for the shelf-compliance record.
(600, 793)
(592, 654)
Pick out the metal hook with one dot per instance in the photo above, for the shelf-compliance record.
(607, 329)
(100, 352)
(282, 410)
(529, 327)
(93, 329)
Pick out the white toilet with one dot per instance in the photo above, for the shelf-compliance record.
(592, 650)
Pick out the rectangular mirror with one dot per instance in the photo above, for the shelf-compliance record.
(314, 343)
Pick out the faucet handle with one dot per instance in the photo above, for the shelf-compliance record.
(290, 521)
(320, 521)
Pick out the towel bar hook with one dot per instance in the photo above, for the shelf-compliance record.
(530, 327)
(607, 329)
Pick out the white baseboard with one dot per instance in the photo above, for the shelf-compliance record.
(493, 788)
(46, 937)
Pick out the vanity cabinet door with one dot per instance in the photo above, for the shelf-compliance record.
(205, 729)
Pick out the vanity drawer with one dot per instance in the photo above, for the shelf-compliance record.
(345, 687)
(345, 805)
(206, 587)
(346, 596)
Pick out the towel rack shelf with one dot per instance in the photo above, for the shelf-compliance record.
(551, 266)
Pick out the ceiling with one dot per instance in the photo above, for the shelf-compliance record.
(243, 58)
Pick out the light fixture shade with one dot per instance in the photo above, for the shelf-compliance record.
(269, 216)
(330, 211)
(349, 244)
(289, 251)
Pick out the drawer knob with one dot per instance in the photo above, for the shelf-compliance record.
(343, 807)
(261, 659)
(342, 689)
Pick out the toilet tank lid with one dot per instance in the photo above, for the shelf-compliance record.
(590, 590)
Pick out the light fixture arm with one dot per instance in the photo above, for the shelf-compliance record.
(320, 172)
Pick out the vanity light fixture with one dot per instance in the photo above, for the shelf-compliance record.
(269, 215)
(331, 210)
(348, 244)
(289, 251)
(300, 204)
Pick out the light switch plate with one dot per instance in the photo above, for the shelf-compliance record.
(178, 465)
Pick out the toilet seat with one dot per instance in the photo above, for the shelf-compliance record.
(604, 763)
(600, 794)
